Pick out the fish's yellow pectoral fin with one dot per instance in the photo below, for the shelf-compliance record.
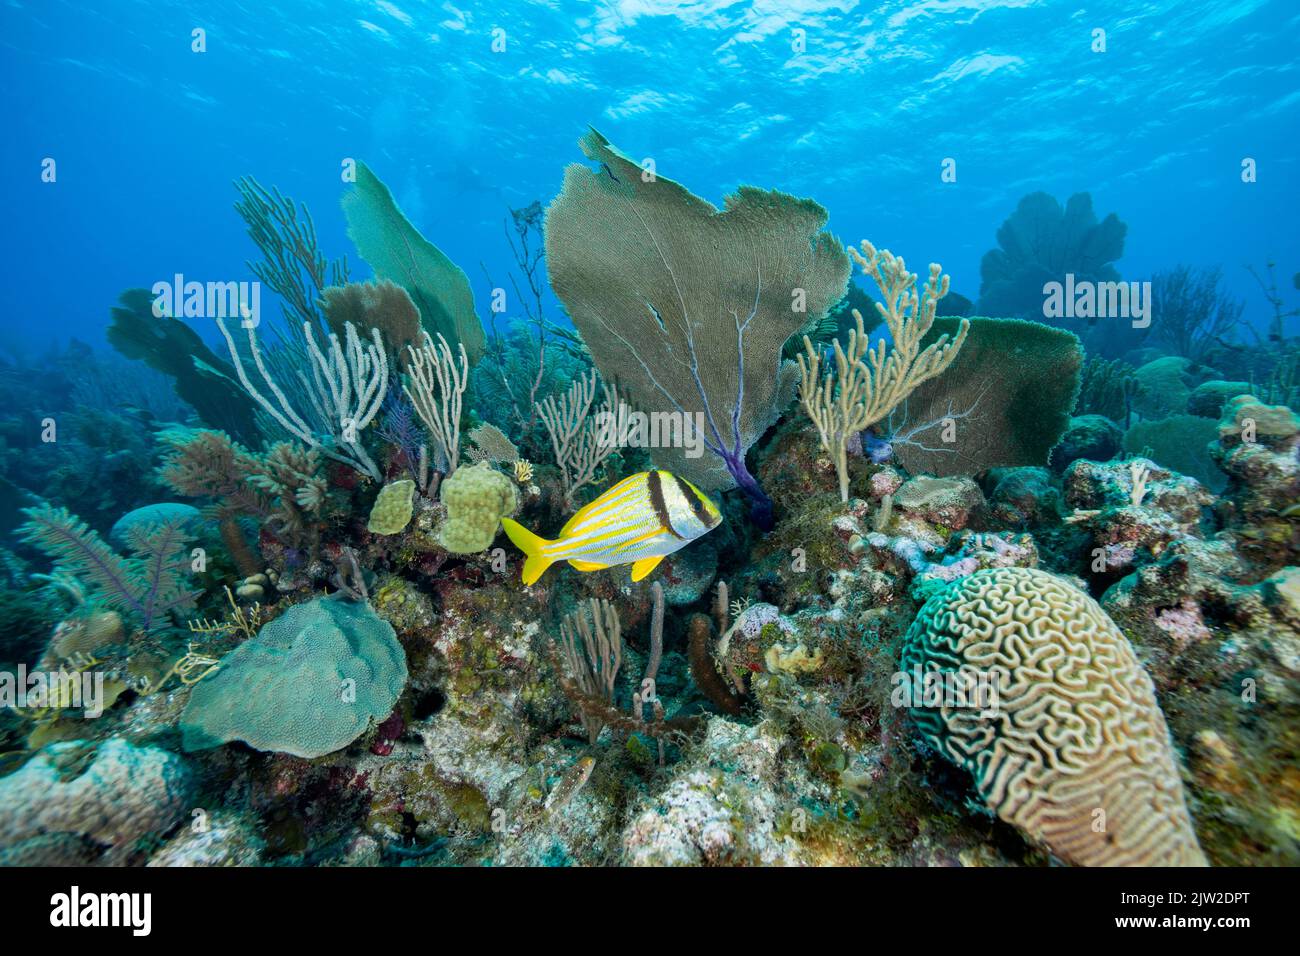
(643, 567)
(587, 565)
(531, 545)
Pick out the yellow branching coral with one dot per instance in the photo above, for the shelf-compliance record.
(868, 383)
(239, 622)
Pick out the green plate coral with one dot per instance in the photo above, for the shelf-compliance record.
(308, 684)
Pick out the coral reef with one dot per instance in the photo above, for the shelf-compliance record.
(1001, 600)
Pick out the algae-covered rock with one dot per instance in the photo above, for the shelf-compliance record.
(1257, 447)
(225, 839)
(1208, 398)
(1023, 496)
(391, 512)
(1247, 419)
(477, 498)
(1094, 437)
(104, 797)
(725, 809)
(308, 684)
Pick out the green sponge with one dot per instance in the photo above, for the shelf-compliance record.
(308, 684)
(477, 498)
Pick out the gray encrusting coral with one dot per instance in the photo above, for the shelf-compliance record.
(939, 588)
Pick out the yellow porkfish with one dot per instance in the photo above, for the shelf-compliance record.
(637, 522)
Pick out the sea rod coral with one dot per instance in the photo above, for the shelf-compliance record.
(862, 393)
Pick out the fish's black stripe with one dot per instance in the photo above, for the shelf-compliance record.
(656, 488)
(694, 501)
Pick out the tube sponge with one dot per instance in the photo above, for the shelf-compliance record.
(477, 498)
(308, 684)
(1074, 750)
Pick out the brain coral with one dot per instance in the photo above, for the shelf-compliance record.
(308, 684)
(1076, 752)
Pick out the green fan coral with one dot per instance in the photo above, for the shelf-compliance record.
(148, 585)
(170, 346)
(687, 307)
(397, 252)
(1008, 398)
(1072, 748)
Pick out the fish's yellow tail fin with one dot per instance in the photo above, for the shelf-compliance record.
(531, 545)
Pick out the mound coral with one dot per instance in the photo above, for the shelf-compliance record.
(1181, 443)
(391, 512)
(1074, 751)
(477, 497)
(309, 683)
(152, 516)
(687, 307)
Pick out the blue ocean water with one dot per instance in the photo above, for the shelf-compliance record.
(469, 109)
